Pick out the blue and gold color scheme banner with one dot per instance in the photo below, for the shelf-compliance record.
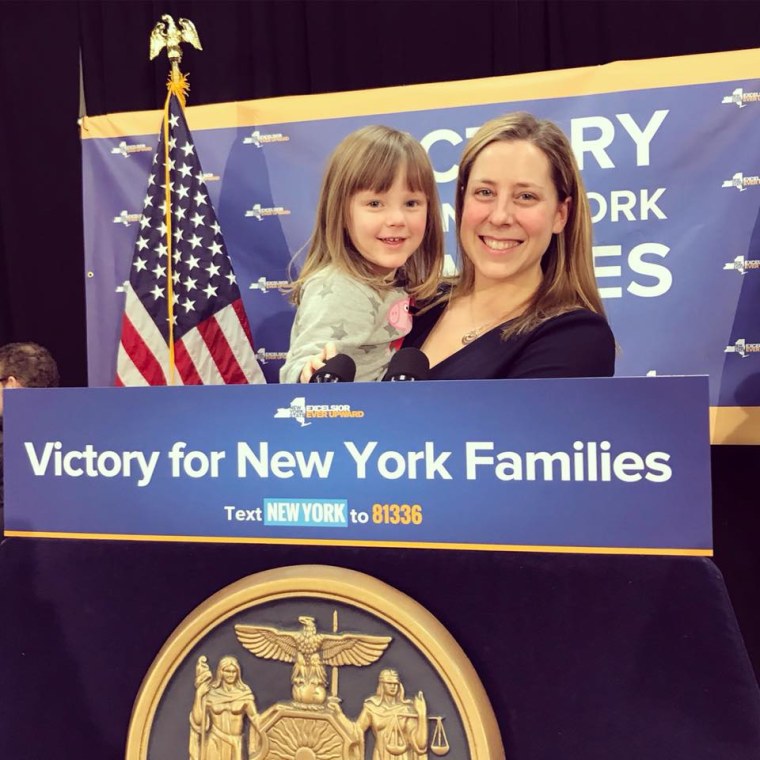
(670, 154)
(615, 465)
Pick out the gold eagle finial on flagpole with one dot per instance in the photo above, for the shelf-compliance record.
(166, 34)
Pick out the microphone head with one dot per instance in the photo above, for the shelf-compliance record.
(408, 364)
(340, 369)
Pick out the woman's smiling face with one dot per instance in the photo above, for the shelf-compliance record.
(510, 212)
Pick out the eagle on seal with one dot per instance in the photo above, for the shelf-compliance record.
(309, 648)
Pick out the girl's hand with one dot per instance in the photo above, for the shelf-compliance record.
(313, 363)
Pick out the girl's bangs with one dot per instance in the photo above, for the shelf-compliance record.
(418, 172)
(379, 171)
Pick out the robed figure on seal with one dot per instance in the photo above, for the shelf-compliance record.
(221, 708)
(399, 725)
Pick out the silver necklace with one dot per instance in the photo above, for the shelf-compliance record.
(470, 336)
(476, 332)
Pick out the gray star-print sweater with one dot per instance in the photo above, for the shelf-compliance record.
(364, 323)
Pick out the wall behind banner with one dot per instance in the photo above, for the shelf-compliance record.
(265, 49)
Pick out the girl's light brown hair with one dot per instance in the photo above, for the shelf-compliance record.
(371, 159)
(568, 281)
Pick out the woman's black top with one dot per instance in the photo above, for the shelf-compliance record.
(575, 344)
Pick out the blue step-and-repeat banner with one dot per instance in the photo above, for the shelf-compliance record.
(613, 465)
(670, 153)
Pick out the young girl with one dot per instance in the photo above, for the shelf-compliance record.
(377, 241)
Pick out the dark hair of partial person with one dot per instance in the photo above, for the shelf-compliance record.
(31, 364)
(371, 158)
(568, 281)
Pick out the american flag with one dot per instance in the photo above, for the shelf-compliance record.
(181, 268)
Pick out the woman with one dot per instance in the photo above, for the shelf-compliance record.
(526, 302)
(398, 724)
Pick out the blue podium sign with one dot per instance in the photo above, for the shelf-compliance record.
(585, 465)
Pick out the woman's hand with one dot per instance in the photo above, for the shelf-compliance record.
(317, 361)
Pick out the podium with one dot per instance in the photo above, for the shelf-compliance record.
(618, 642)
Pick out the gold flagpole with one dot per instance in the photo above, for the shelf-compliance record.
(167, 34)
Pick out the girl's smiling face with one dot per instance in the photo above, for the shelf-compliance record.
(510, 212)
(387, 228)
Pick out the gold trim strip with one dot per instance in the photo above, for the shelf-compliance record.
(735, 425)
(368, 544)
(619, 76)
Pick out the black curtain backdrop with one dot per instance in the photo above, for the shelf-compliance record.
(270, 48)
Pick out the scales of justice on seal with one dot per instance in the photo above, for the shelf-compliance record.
(355, 649)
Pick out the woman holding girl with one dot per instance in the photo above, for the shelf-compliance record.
(525, 304)
(377, 241)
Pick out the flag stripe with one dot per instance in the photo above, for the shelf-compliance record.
(237, 305)
(128, 373)
(185, 371)
(201, 358)
(136, 363)
(220, 351)
(231, 320)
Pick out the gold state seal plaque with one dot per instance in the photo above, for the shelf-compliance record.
(312, 663)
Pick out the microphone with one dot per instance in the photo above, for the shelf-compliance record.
(408, 364)
(340, 369)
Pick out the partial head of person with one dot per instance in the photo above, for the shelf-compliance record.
(227, 672)
(26, 365)
(378, 216)
(523, 218)
(389, 684)
(389, 675)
